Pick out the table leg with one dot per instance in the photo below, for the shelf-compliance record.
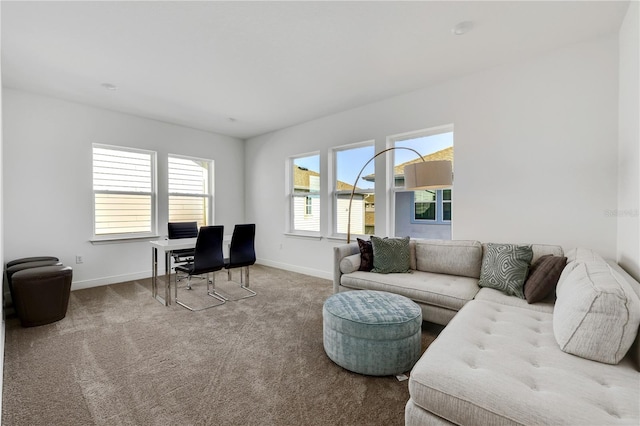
(167, 277)
(154, 272)
(154, 279)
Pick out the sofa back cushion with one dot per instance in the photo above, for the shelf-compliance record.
(452, 257)
(597, 312)
(540, 250)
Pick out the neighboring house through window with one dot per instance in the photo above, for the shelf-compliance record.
(190, 194)
(424, 213)
(305, 193)
(124, 190)
(348, 162)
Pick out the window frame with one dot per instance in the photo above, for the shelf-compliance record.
(153, 193)
(210, 183)
(292, 194)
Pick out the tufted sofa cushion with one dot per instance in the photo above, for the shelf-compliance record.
(493, 295)
(500, 364)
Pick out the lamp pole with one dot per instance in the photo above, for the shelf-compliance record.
(353, 190)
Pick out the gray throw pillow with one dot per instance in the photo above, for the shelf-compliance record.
(505, 267)
(390, 255)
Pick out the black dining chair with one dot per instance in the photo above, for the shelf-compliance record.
(179, 230)
(242, 254)
(208, 258)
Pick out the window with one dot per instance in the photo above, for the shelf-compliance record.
(124, 192)
(432, 205)
(308, 206)
(424, 205)
(190, 195)
(348, 162)
(305, 193)
(446, 205)
(422, 214)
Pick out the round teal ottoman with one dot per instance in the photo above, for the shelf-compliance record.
(372, 332)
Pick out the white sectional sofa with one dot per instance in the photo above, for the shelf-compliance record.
(498, 360)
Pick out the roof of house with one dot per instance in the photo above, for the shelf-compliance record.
(301, 180)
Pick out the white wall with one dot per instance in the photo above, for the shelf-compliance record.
(2, 325)
(628, 215)
(536, 156)
(48, 181)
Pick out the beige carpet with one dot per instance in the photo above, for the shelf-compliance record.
(121, 358)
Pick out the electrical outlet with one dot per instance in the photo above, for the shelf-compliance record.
(79, 259)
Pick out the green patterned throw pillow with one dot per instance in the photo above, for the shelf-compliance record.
(390, 255)
(505, 268)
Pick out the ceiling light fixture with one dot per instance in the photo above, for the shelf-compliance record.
(109, 86)
(462, 27)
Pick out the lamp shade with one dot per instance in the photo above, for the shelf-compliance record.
(428, 175)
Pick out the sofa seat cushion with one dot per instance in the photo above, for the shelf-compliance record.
(447, 291)
(500, 364)
(493, 295)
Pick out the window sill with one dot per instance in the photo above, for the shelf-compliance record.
(117, 240)
(343, 238)
(309, 236)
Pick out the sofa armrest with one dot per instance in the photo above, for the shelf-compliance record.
(339, 253)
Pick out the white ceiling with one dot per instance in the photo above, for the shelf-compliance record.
(270, 65)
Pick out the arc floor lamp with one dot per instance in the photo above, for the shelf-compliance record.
(417, 176)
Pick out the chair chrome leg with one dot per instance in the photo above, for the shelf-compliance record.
(189, 287)
(246, 286)
(213, 293)
(242, 285)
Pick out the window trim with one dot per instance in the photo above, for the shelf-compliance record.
(153, 232)
(210, 182)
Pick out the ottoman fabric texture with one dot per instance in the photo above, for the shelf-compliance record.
(372, 332)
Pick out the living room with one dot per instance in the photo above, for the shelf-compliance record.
(546, 144)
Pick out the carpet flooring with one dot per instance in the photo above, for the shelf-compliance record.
(121, 358)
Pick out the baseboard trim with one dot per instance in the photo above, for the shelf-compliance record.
(114, 279)
(294, 268)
